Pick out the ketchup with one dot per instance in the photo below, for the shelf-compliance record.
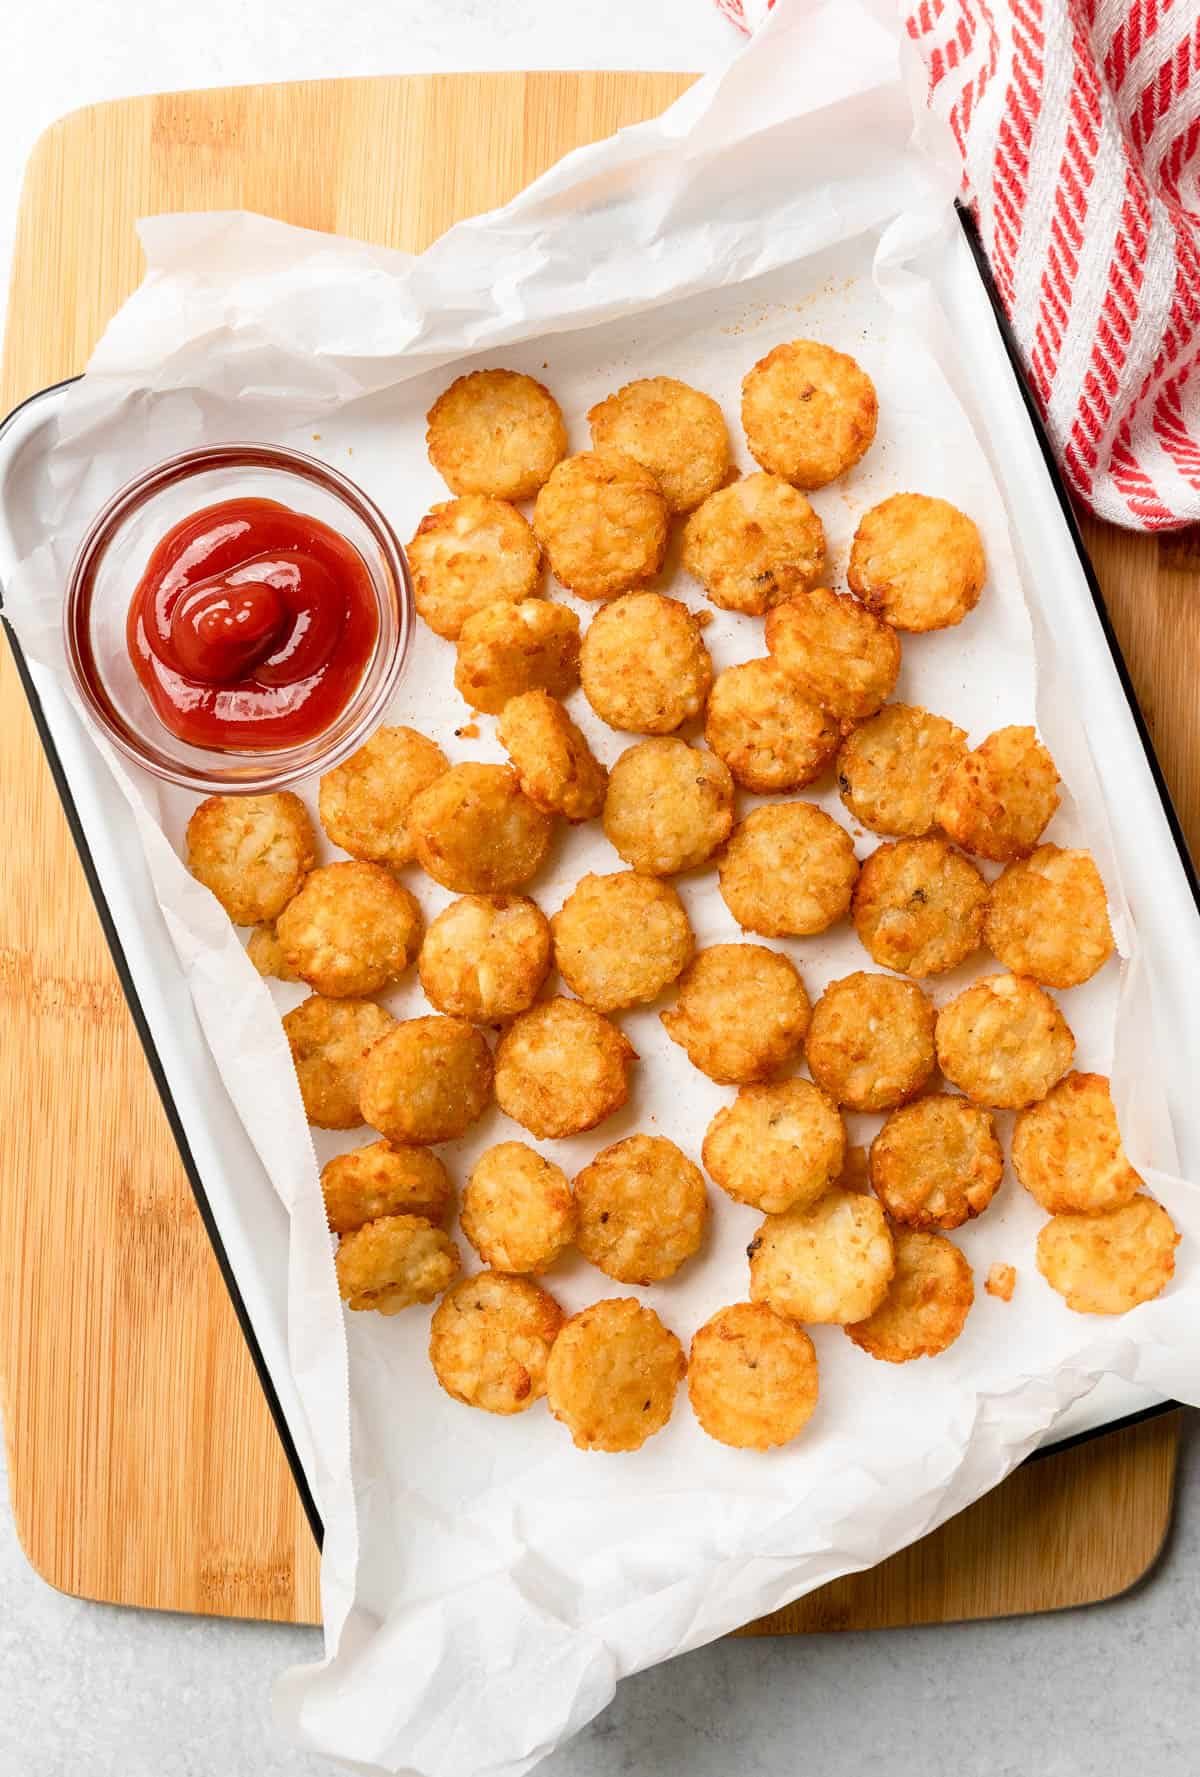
(251, 626)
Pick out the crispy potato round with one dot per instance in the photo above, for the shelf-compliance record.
(1003, 1042)
(553, 762)
(776, 1147)
(351, 929)
(364, 801)
(740, 1014)
(517, 1209)
(917, 562)
(1109, 1263)
(830, 1261)
(562, 1068)
(997, 800)
(427, 1081)
(612, 1375)
(643, 665)
(788, 870)
(668, 807)
(330, 1041)
(505, 650)
(927, 1301)
(468, 554)
(1048, 918)
(835, 652)
(476, 832)
(496, 432)
(485, 957)
(266, 953)
(620, 940)
(919, 906)
(490, 1340)
(870, 1043)
(1067, 1150)
(673, 430)
(890, 771)
(753, 544)
(642, 1209)
(808, 412)
(380, 1180)
(937, 1162)
(770, 736)
(602, 520)
(252, 852)
(752, 1377)
(394, 1263)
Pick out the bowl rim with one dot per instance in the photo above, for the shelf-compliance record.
(281, 766)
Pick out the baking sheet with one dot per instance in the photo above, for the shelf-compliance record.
(506, 1581)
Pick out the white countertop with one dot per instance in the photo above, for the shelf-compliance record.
(1111, 1690)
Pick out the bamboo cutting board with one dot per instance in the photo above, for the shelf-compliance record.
(144, 1466)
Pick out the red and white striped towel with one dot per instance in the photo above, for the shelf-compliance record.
(1079, 126)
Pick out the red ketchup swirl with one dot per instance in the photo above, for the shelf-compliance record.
(251, 626)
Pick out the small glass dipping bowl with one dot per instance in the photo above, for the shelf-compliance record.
(110, 563)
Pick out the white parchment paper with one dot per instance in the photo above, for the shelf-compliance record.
(484, 1584)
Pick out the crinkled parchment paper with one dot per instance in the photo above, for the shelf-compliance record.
(484, 1584)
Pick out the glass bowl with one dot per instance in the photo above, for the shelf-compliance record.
(109, 565)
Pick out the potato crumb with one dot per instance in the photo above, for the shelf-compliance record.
(469, 731)
(1001, 1281)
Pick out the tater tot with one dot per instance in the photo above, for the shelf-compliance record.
(917, 562)
(505, 650)
(741, 1012)
(668, 806)
(836, 652)
(562, 1068)
(788, 870)
(1109, 1263)
(808, 412)
(602, 520)
(919, 906)
(365, 800)
(330, 1041)
(1067, 1150)
(394, 1263)
(752, 1377)
(642, 1209)
(517, 1209)
(380, 1180)
(870, 1043)
(468, 554)
(776, 1147)
(351, 929)
(890, 770)
(553, 762)
(427, 1081)
(936, 1162)
(485, 957)
(753, 544)
(496, 432)
(997, 800)
(253, 852)
(675, 431)
(620, 940)
(1048, 918)
(770, 736)
(490, 1340)
(926, 1304)
(612, 1375)
(476, 832)
(1003, 1042)
(829, 1262)
(643, 665)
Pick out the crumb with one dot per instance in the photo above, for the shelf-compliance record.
(316, 438)
(469, 731)
(349, 450)
(1001, 1281)
(702, 619)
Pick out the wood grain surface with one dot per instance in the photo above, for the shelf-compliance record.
(144, 1465)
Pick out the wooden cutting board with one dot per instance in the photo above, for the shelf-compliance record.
(144, 1465)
